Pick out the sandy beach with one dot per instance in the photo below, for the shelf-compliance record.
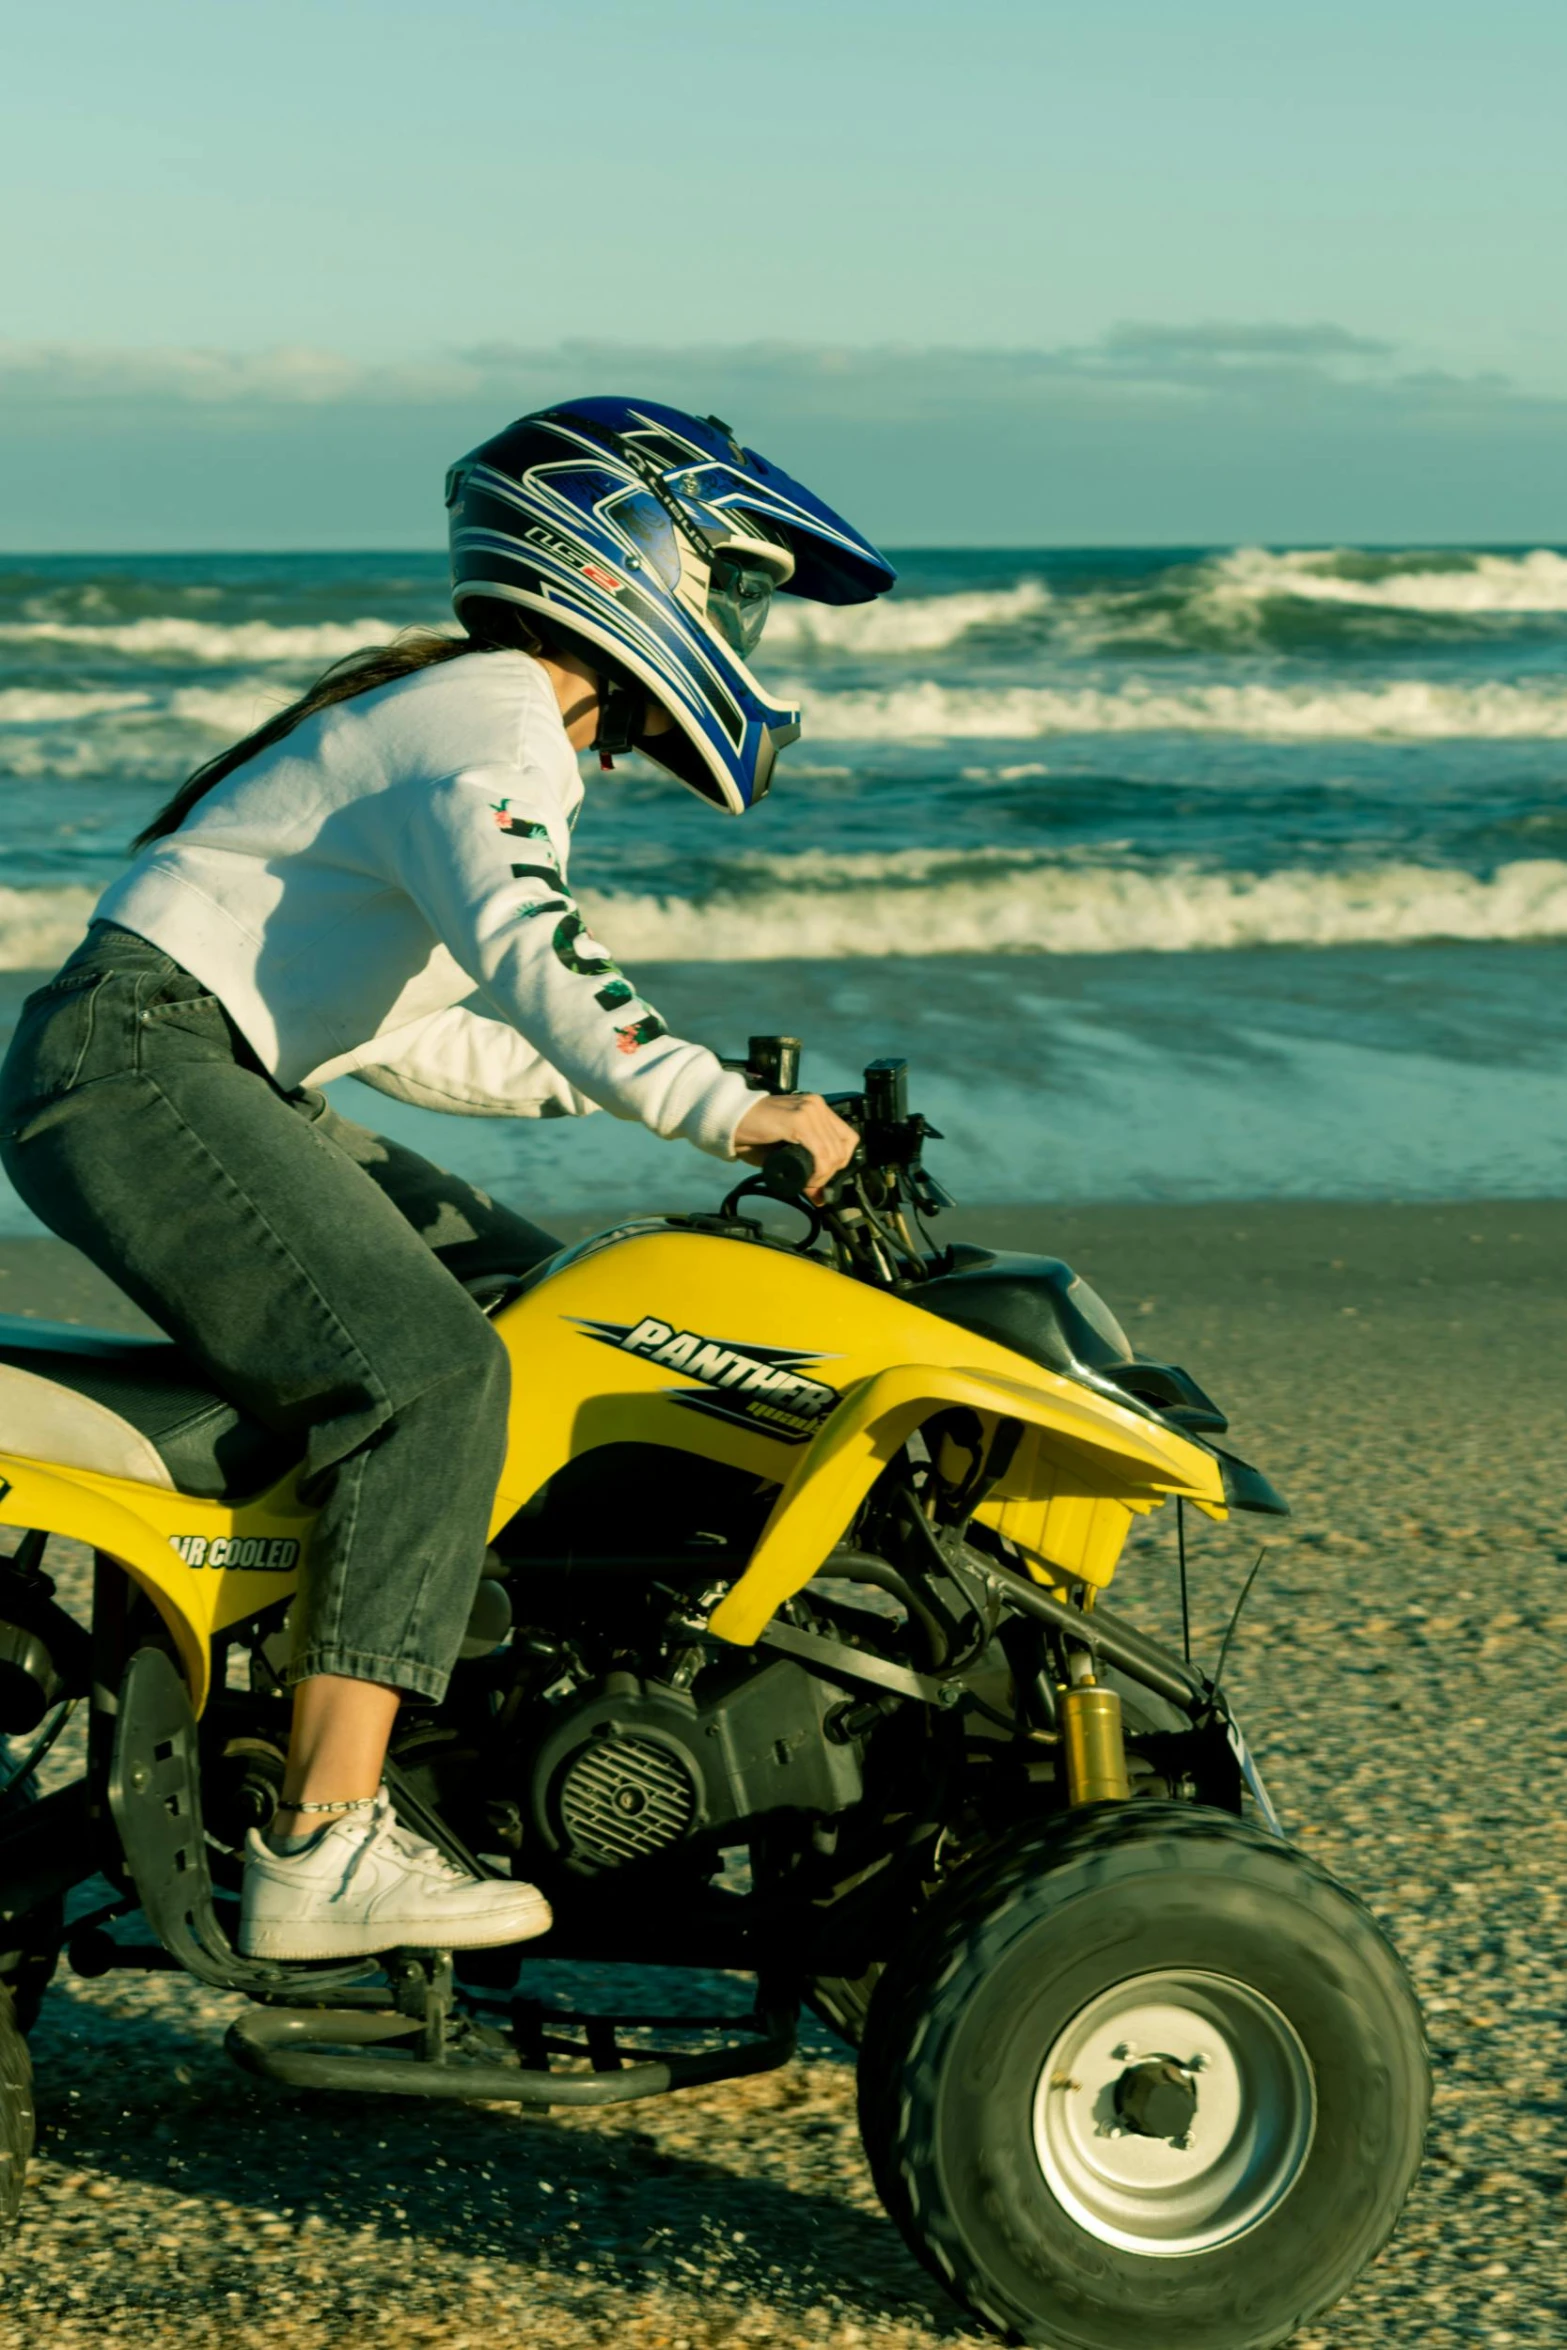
(1398, 1371)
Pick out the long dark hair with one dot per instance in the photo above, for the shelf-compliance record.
(358, 673)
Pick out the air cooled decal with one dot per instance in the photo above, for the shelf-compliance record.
(756, 1387)
(262, 1554)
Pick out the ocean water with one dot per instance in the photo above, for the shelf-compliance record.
(1204, 873)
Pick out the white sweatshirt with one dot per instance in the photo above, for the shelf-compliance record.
(383, 894)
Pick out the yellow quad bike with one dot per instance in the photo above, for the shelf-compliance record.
(789, 1658)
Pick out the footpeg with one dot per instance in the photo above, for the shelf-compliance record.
(546, 2057)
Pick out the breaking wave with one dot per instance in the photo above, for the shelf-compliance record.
(1406, 710)
(168, 637)
(1249, 597)
(230, 710)
(22, 705)
(39, 927)
(83, 734)
(906, 624)
(1287, 599)
(46, 732)
(913, 624)
(879, 906)
(1458, 584)
(1314, 600)
(929, 902)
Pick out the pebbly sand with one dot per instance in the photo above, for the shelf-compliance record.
(1399, 1372)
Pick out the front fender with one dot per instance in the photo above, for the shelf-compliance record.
(1132, 1462)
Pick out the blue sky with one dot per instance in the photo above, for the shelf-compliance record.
(993, 272)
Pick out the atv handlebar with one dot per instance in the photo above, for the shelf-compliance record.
(862, 1212)
(787, 1170)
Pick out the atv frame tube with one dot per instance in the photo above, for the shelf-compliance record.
(835, 1471)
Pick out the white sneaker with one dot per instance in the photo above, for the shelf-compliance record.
(367, 1885)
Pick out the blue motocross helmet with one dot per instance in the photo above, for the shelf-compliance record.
(651, 543)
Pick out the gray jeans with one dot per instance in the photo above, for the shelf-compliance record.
(311, 1268)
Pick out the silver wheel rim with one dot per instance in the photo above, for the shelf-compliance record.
(1174, 2112)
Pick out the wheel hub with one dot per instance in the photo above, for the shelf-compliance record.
(1157, 2099)
(1174, 2112)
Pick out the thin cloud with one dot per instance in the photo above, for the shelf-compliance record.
(289, 376)
(1133, 344)
(1212, 364)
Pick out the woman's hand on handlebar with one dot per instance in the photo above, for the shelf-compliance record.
(801, 1118)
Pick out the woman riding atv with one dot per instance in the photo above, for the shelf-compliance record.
(374, 883)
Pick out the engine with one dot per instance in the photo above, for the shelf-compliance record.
(44, 1654)
(627, 1767)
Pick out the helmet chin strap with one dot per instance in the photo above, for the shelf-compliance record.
(621, 712)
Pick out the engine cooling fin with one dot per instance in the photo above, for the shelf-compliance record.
(622, 1798)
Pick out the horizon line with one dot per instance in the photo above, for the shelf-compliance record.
(1149, 546)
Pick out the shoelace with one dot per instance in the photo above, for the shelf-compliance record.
(385, 1834)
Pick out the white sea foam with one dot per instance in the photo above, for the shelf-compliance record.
(913, 624)
(1252, 595)
(906, 624)
(131, 729)
(39, 927)
(78, 734)
(1455, 584)
(73, 754)
(230, 710)
(1407, 710)
(168, 637)
(22, 705)
(56, 732)
(923, 901)
(1222, 596)
(902, 903)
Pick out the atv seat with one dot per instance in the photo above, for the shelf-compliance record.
(128, 1407)
(141, 1408)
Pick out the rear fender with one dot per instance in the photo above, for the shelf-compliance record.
(166, 1543)
(1116, 1457)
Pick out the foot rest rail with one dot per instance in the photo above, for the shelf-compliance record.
(453, 2056)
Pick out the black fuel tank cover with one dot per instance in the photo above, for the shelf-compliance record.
(1174, 1394)
(1036, 1305)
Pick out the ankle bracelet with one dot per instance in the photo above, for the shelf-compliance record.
(347, 1803)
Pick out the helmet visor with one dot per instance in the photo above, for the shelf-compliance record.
(739, 597)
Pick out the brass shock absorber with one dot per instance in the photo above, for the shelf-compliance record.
(1091, 1741)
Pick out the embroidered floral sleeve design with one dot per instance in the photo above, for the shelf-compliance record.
(596, 962)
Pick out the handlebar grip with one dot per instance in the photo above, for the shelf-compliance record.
(787, 1170)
